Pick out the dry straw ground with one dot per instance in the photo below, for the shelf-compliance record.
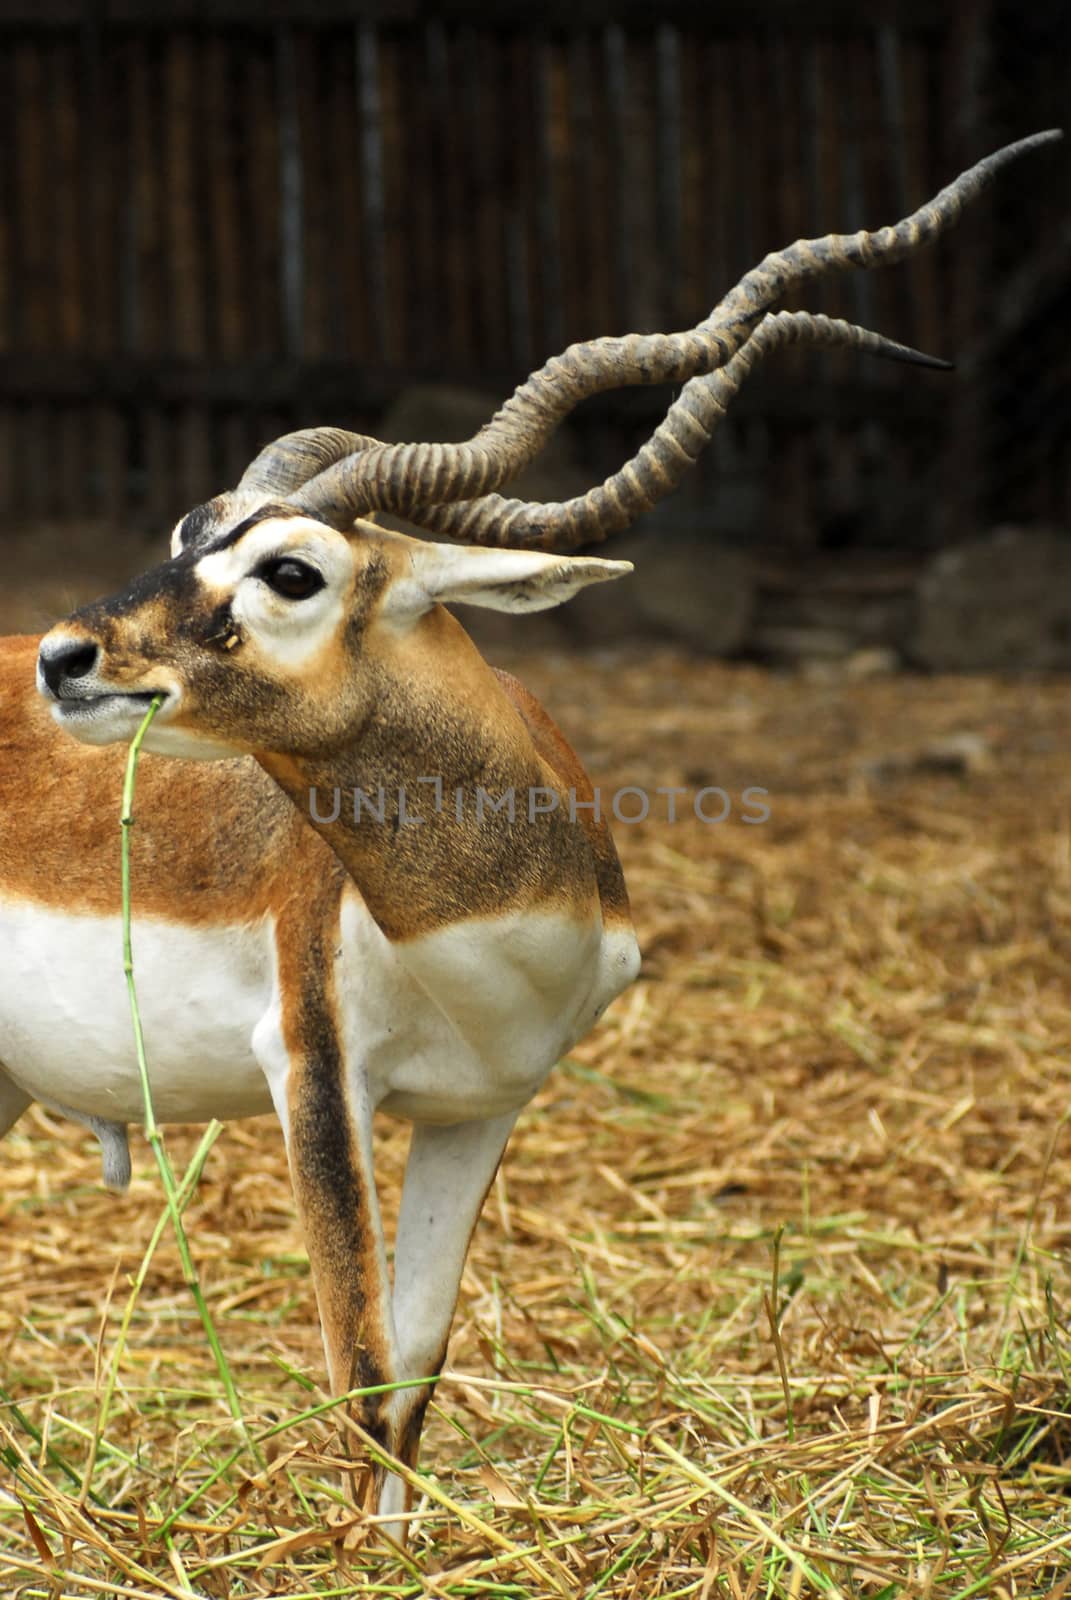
(772, 1296)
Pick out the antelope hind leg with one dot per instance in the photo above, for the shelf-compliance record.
(13, 1102)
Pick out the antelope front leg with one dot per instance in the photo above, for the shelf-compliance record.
(327, 1123)
(447, 1176)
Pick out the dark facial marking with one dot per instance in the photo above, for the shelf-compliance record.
(261, 514)
(371, 580)
(173, 580)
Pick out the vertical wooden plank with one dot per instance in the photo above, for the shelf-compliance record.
(967, 483)
(569, 196)
(185, 323)
(721, 175)
(96, 188)
(347, 286)
(828, 469)
(597, 217)
(827, 367)
(370, 117)
(460, 200)
(742, 173)
(588, 264)
(161, 499)
(126, 260)
(420, 137)
(31, 225)
(35, 443)
(856, 152)
(526, 110)
(261, 232)
(9, 253)
(397, 265)
(455, 338)
(70, 466)
(312, 82)
(831, 114)
(9, 302)
(228, 334)
(204, 155)
(343, 294)
(919, 170)
(66, 241)
(922, 172)
(38, 456)
(185, 300)
(805, 521)
(191, 443)
(291, 195)
(641, 185)
(818, 297)
(107, 263)
(143, 319)
(694, 289)
(787, 78)
(518, 297)
(883, 289)
(891, 93)
(783, 217)
(770, 148)
(109, 485)
(549, 120)
(477, 109)
(668, 177)
(516, 210)
(615, 67)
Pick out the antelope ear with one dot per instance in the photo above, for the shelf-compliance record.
(499, 580)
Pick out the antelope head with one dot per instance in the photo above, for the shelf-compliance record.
(282, 633)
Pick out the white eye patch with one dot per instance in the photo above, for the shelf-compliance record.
(289, 631)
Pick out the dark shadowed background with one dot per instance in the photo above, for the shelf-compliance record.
(222, 221)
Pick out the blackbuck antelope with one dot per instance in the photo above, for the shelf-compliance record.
(381, 885)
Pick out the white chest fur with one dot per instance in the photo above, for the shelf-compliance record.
(508, 997)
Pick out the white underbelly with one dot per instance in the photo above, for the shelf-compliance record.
(463, 1024)
(65, 1027)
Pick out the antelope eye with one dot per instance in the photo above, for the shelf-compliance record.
(292, 579)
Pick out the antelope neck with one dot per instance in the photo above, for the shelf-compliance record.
(439, 810)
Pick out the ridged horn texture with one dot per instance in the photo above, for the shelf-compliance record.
(658, 467)
(813, 258)
(287, 463)
(403, 478)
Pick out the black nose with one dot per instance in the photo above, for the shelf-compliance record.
(65, 660)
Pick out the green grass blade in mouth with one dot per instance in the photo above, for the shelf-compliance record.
(175, 1199)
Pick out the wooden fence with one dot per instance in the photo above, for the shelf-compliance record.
(219, 221)
(1022, 343)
